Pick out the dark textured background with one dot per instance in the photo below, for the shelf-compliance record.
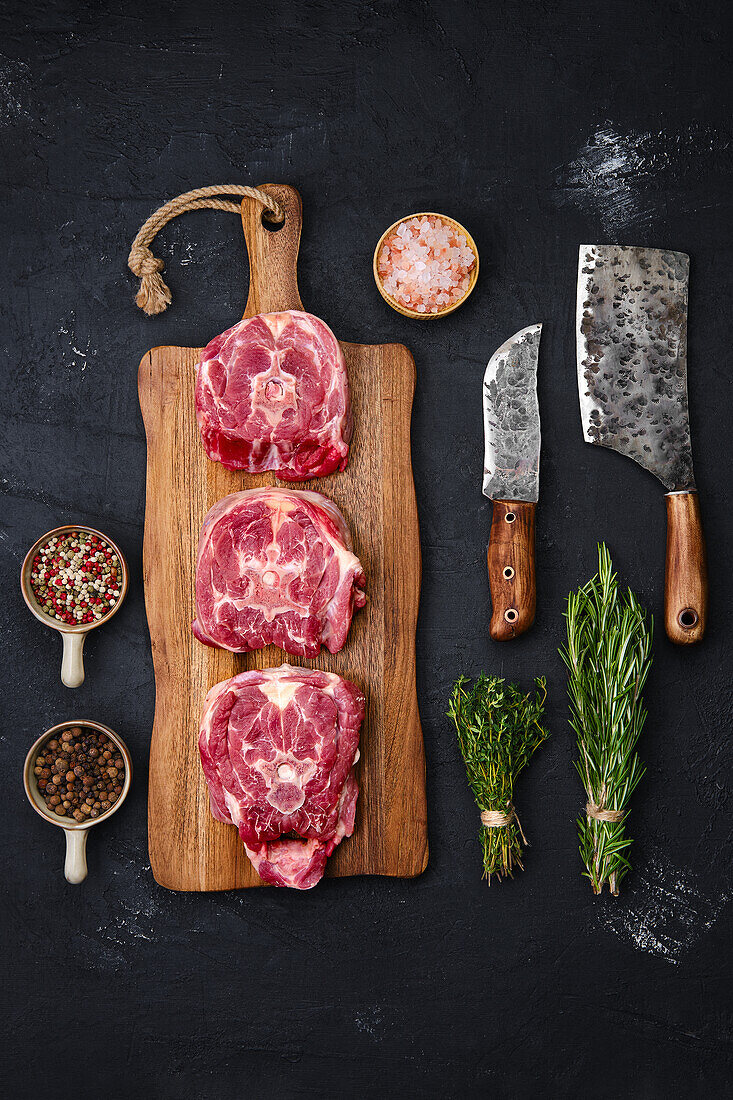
(539, 126)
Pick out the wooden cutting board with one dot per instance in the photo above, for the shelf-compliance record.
(189, 850)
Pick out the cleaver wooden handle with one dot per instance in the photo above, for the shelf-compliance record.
(686, 579)
(511, 569)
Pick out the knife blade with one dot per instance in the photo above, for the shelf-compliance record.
(511, 480)
(631, 331)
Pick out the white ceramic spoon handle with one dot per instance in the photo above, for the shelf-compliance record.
(72, 664)
(75, 867)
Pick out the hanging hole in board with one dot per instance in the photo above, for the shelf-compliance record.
(509, 517)
(687, 618)
(511, 615)
(269, 223)
(508, 572)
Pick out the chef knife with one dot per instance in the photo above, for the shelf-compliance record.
(511, 480)
(632, 382)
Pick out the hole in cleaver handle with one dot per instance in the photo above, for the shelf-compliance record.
(511, 569)
(686, 579)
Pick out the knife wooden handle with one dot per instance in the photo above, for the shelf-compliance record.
(686, 579)
(511, 569)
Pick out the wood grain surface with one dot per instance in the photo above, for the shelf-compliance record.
(510, 558)
(189, 850)
(686, 572)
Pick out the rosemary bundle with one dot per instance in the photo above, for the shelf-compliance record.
(608, 656)
(498, 730)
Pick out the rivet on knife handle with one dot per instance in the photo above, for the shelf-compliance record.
(686, 579)
(511, 569)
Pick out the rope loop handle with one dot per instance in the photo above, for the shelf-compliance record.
(154, 296)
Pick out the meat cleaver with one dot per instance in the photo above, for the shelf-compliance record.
(511, 480)
(632, 382)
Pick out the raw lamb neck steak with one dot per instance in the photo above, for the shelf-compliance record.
(272, 394)
(278, 749)
(276, 567)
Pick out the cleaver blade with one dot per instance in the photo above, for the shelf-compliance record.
(631, 327)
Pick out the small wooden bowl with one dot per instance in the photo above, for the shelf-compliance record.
(72, 664)
(412, 312)
(75, 866)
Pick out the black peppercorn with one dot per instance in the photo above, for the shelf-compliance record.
(84, 776)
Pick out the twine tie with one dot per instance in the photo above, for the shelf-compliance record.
(495, 819)
(498, 819)
(600, 813)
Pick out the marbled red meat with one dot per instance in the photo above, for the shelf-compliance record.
(276, 567)
(272, 394)
(278, 749)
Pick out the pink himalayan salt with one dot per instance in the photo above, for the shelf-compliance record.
(425, 264)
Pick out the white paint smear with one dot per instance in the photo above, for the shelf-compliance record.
(369, 1021)
(664, 914)
(14, 83)
(615, 175)
(76, 352)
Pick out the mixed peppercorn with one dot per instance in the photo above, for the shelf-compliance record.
(76, 578)
(80, 774)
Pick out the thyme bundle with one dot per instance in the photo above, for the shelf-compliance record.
(608, 656)
(498, 730)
